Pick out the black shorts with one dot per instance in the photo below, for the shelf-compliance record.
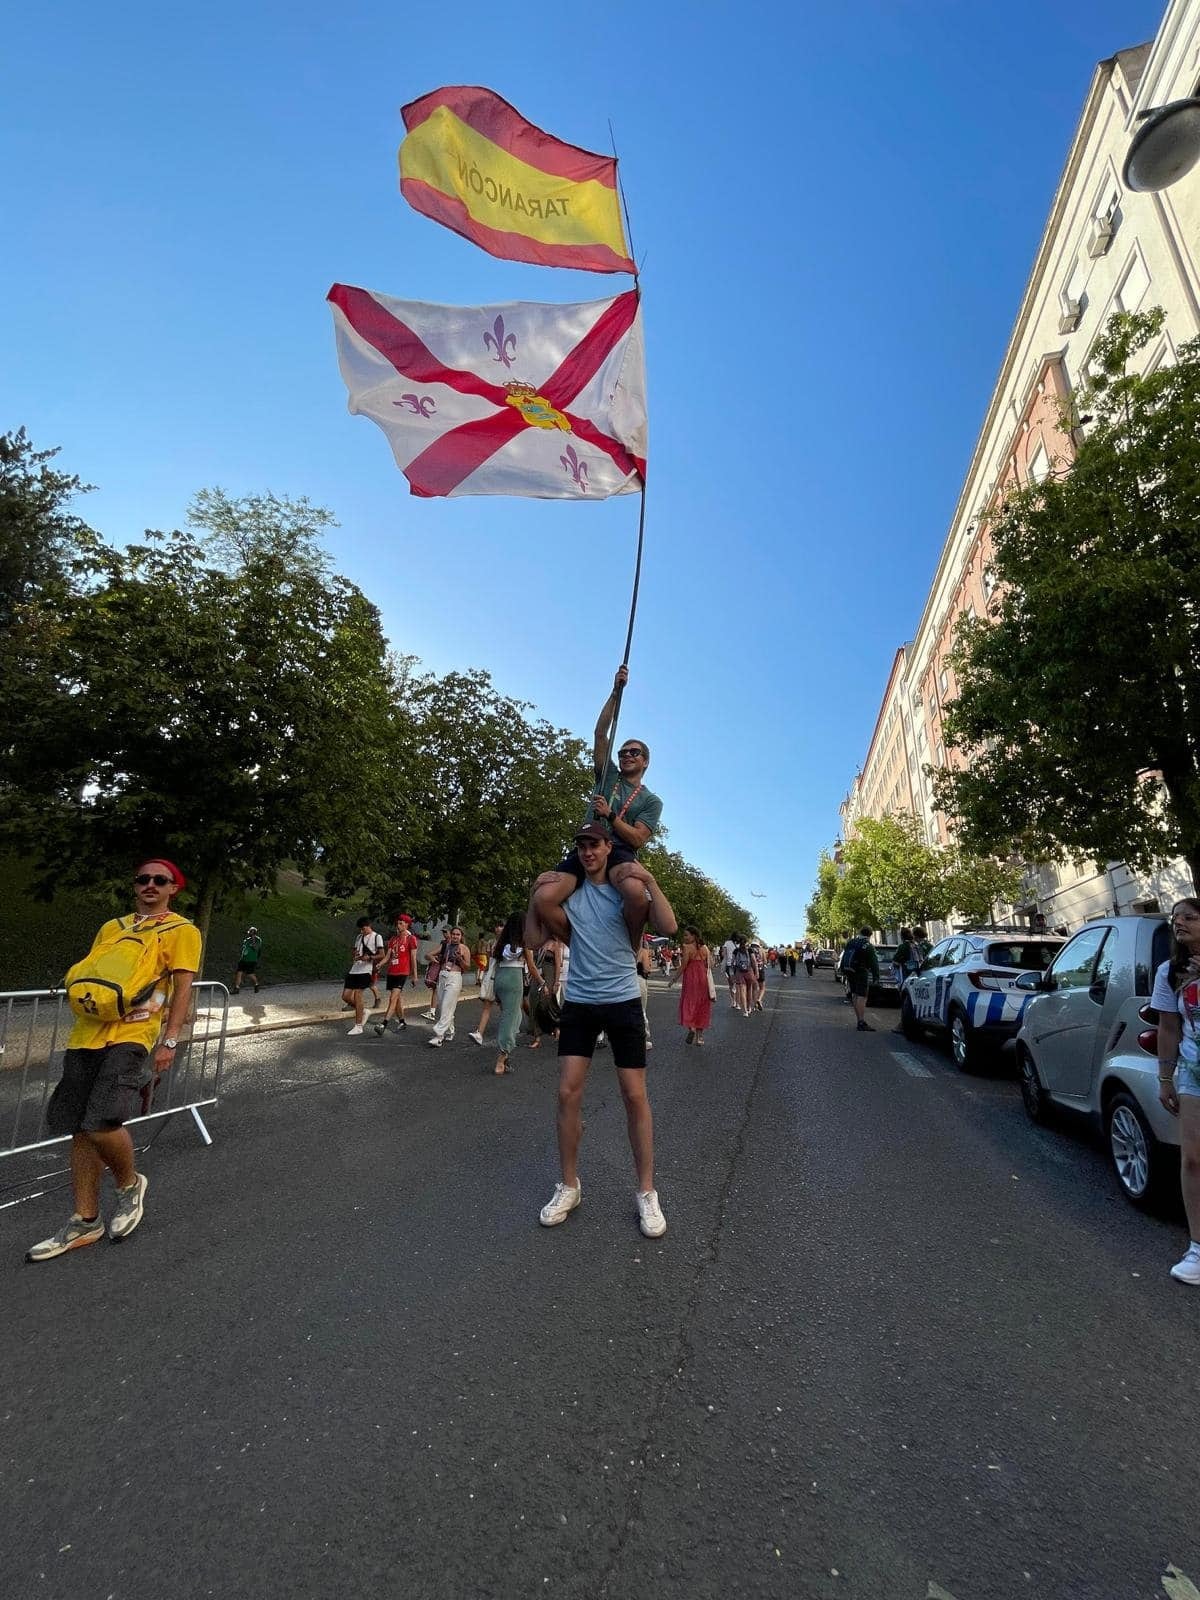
(859, 983)
(622, 1021)
(250, 967)
(359, 980)
(396, 980)
(100, 1089)
(617, 856)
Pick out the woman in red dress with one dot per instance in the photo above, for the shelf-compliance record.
(695, 1002)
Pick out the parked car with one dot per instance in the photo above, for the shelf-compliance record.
(966, 990)
(1088, 1041)
(826, 958)
(888, 986)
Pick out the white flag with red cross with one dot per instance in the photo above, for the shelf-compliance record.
(525, 399)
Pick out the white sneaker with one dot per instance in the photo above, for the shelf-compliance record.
(431, 1015)
(357, 1028)
(435, 1043)
(650, 1218)
(1188, 1270)
(478, 1037)
(561, 1204)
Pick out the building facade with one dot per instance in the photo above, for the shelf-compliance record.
(1103, 249)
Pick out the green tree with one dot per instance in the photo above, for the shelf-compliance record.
(1078, 705)
(695, 899)
(499, 795)
(38, 533)
(977, 885)
(820, 912)
(896, 875)
(235, 709)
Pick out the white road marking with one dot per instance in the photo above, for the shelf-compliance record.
(911, 1065)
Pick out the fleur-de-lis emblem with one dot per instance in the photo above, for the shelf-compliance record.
(573, 465)
(421, 405)
(504, 344)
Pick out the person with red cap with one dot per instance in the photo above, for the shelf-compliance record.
(109, 1063)
(400, 964)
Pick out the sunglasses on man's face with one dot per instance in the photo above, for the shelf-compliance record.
(625, 755)
(158, 879)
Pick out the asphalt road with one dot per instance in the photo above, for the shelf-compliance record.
(896, 1344)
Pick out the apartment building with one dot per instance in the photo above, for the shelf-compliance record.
(1103, 249)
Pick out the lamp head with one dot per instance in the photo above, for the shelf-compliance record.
(1165, 147)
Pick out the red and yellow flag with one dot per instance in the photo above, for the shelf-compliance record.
(473, 163)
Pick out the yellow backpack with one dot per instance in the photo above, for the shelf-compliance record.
(121, 974)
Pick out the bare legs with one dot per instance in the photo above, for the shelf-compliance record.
(639, 1120)
(90, 1154)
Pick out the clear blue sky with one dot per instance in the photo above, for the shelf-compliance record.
(837, 209)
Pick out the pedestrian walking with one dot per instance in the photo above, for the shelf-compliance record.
(1176, 998)
(745, 985)
(809, 956)
(602, 993)
(645, 965)
(365, 955)
(248, 959)
(860, 967)
(453, 960)
(760, 975)
(509, 955)
(399, 969)
(130, 997)
(791, 959)
(728, 946)
(545, 998)
(627, 811)
(487, 983)
(695, 978)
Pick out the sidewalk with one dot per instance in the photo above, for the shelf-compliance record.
(300, 1005)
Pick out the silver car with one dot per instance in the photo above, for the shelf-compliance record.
(1088, 1041)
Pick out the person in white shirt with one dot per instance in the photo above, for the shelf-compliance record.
(727, 950)
(1176, 998)
(365, 957)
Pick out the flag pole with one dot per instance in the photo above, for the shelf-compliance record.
(637, 568)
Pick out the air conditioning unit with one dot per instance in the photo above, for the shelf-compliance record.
(1149, 904)
(1101, 236)
(1069, 315)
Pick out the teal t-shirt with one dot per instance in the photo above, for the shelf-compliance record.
(642, 805)
(603, 968)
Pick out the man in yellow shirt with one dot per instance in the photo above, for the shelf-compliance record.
(107, 1065)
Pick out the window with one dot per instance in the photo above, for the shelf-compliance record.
(933, 705)
(1039, 464)
(943, 680)
(1073, 967)
(937, 956)
(989, 581)
(940, 754)
(1133, 286)
(1024, 957)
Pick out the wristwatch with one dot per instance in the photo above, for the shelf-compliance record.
(169, 1044)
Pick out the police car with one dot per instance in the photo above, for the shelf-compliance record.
(966, 990)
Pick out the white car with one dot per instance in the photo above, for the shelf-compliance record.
(966, 990)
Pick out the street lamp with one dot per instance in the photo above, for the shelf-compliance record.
(1165, 146)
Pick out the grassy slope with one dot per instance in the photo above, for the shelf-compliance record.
(40, 940)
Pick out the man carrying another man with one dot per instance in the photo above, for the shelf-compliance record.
(602, 995)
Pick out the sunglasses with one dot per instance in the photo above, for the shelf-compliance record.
(623, 755)
(158, 879)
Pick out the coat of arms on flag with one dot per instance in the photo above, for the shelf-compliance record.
(527, 399)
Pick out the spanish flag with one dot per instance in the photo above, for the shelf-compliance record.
(473, 163)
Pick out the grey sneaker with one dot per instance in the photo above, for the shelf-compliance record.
(129, 1207)
(73, 1235)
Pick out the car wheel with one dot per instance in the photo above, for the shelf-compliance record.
(1033, 1096)
(1136, 1155)
(964, 1045)
(909, 1025)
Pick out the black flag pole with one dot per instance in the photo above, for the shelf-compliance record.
(637, 569)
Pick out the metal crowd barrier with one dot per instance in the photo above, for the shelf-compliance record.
(34, 1024)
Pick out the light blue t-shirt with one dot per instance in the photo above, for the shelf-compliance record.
(603, 969)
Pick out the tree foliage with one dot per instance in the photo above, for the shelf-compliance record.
(695, 899)
(1078, 704)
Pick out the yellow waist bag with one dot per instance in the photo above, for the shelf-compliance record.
(119, 976)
